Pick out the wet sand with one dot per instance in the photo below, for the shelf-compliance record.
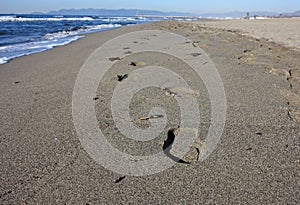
(256, 161)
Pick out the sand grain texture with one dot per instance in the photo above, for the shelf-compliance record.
(256, 162)
(285, 30)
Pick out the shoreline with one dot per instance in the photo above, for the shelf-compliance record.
(290, 39)
(255, 162)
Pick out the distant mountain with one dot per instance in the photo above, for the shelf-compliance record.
(296, 13)
(134, 12)
(37, 13)
(116, 12)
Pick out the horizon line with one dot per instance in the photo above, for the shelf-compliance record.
(186, 12)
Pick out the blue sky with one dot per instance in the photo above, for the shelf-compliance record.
(193, 6)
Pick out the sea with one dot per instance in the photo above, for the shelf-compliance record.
(26, 34)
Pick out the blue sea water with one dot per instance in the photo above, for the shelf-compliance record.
(27, 34)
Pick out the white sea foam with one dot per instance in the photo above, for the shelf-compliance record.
(48, 41)
(62, 18)
(18, 42)
(15, 18)
(82, 30)
(3, 60)
(103, 26)
(123, 19)
(14, 51)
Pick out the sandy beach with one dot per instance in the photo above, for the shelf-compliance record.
(282, 30)
(256, 161)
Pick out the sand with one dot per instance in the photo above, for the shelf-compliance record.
(255, 162)
(284, 30)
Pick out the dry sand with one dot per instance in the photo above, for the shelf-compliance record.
(256, 162)
(283, 30)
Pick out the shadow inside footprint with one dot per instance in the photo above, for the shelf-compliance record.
(167, 146)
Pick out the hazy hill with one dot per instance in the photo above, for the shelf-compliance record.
(133, 12)
(116, 12)
(296, 13)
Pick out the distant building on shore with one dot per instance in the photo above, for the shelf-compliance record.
(255, 17)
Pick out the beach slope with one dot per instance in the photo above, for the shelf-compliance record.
(255, 162)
